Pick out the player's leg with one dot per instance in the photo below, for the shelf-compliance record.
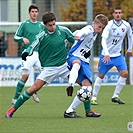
(87, 105)
(25, 96)
(20, 85)
(83, 74)
(122, 68)
(89, 111)
(37, 67)
(74, 63)
(103, 68)
(45, 77)
(74, 72)
(120, 84)
(96, 88)
(26, 67)
(85, 77)
(70, 112)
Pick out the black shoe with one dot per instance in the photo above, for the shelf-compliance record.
(71, 115)
(69, 91)
(117, 100)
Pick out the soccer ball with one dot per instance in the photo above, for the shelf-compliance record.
(84, 93)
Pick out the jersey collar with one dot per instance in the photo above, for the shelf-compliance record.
(116, 23)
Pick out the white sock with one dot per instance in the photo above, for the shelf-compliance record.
(74, 74)
(96, 88)
(76, 102)
(120, 83)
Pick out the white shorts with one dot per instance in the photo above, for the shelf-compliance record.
(48, 74)
(31, 61)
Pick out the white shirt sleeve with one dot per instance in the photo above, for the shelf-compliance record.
(130, 39)
(104, 45)
(105, 36)
(130, 43)
(84, 31)
(75, 32)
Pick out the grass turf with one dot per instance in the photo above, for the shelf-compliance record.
(47, 116)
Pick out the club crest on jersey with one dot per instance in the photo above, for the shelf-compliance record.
(123, 29)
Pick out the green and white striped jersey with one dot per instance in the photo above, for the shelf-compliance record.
(52, 50)
(29, 30)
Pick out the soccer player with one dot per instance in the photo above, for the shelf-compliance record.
(52, 55)
(25, 34)
(112, 40)
(78, 61)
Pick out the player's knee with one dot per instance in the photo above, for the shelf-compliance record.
(77, 61)
(25, 77)
(101, 76)
(124, 74)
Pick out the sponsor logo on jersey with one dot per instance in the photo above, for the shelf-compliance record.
(113, 29)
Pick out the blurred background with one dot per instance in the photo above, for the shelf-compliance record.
(70, 13)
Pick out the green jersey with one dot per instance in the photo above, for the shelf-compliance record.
(28, 30)
(52, 50)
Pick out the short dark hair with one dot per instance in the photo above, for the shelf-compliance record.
(117, 8)
(47, 17)
(33, 7)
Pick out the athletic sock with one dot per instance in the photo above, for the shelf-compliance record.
(96, 88)
(87, 106)
(74, 74)
(19, 89)
(76, 102)
(121, 82)
(24, 97)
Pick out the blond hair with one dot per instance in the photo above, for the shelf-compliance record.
(101, 18)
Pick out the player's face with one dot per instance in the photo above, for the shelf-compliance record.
(98, 27)
(117, 15)
(33, 14)
(51, 26)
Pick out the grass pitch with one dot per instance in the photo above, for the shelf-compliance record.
(47, 116)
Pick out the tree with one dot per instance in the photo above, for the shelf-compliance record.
(106, 7)
(76, 11)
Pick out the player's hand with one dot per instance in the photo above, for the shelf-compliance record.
(26, 41)
(77, 38)
(24, 55)
(106, 59)
(69, 91)
(86, 55)
(128, 53)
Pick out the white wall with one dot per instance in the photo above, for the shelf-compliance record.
(12, 7)
(24, 9)
(12, 12)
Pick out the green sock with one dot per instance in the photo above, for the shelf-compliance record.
(87, 106)
(19, 89)
(24, 97)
